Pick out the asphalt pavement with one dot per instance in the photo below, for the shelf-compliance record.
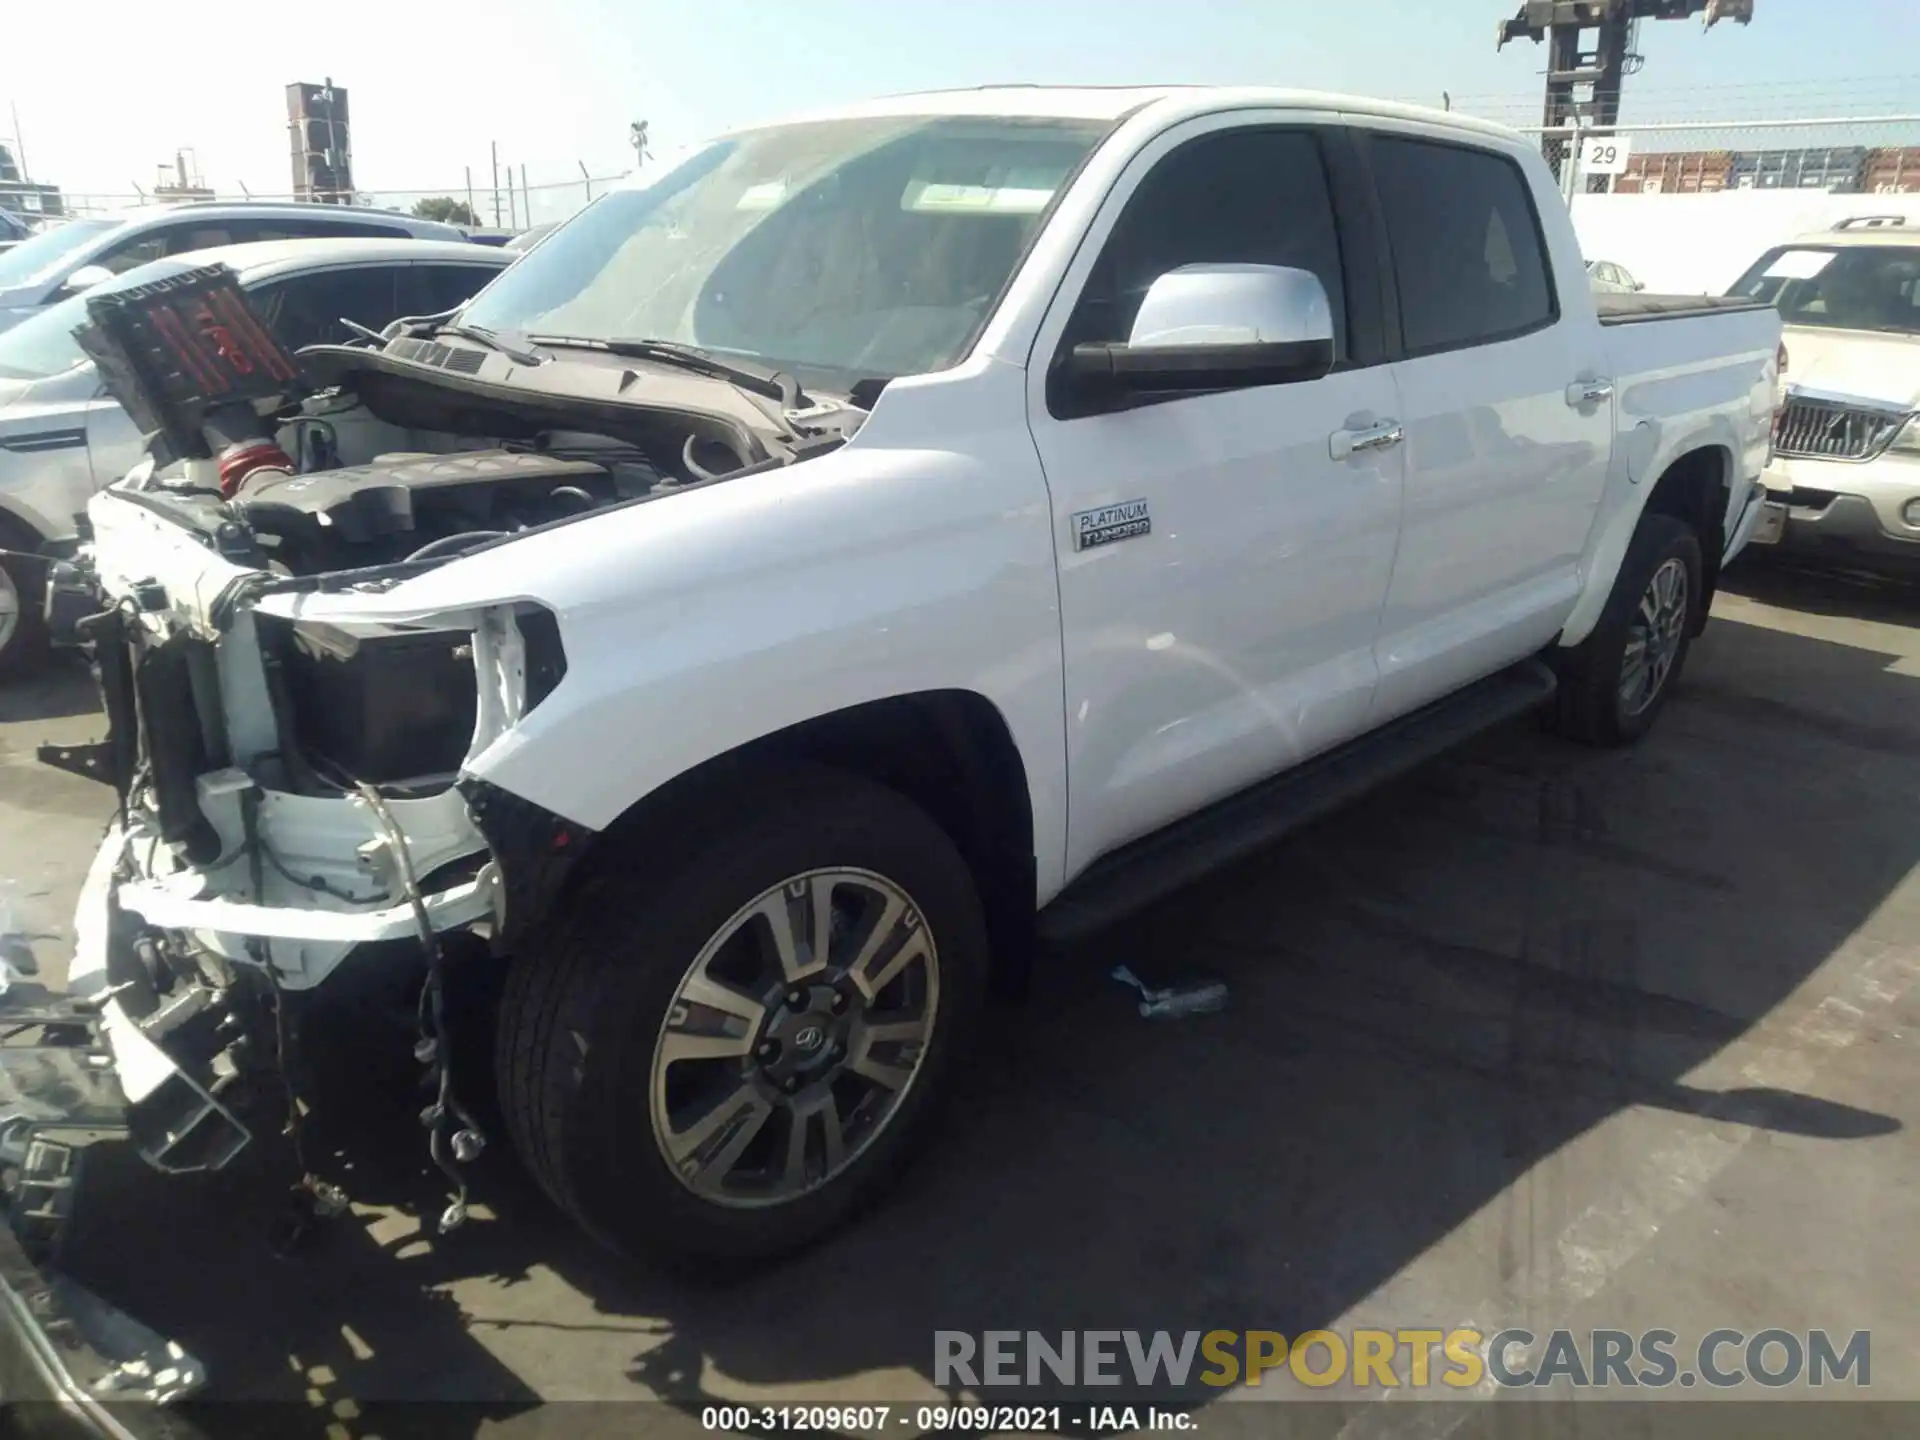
(1538, 1035)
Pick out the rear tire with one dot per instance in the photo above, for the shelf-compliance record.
(657, 1055)
(23, 633)
(1614, 683)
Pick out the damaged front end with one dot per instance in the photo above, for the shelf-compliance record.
(296, 746)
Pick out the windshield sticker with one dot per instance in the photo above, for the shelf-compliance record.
(976, 199)
(764, 196)
(1799, 265)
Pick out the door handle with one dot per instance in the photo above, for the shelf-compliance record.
(1589, 392)
(1384, 436)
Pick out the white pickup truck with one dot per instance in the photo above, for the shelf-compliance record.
(799, 573)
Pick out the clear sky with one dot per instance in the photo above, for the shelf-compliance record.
(107, 89)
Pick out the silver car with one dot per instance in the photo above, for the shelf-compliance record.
(1611, 278)
(62, 436)
(69, 257)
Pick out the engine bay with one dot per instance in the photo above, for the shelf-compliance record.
(346, 458)
(407, 506)
(355, 467)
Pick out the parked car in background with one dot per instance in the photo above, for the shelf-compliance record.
(62, 436)
(532, 236)
(1609, 278)
(1844, 481)
(71, 256)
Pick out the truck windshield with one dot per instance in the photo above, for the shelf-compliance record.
(860, 247)
(1840, 287)
(38, 258)
(42, 344)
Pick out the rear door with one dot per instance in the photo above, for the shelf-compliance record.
(1229, 631)
(1506, 456)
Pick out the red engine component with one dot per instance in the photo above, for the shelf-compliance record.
(244, 457)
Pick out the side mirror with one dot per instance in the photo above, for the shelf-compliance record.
(1639, 285)
(85, 278)
(1216, 327)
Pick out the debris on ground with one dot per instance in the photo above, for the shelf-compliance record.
(1175, 1002)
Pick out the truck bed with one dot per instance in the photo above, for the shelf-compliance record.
(1617, 308)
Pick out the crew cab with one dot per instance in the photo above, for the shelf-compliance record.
(1844, 483)
(814, 572)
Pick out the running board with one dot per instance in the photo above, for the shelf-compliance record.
(1154, 867)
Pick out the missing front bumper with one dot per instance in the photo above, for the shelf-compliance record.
(70, 1362)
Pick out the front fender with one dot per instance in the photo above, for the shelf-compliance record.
(918, 557)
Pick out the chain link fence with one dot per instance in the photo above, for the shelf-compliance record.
(514, 206)
(1858, 154)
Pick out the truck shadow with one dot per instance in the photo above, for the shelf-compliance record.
(1824, 590)
(1431, 994)
(57, 688)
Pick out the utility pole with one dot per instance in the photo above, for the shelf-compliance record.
(494, 145)
(526, 200)
(473, 215)
(586, 179)
(637, 137)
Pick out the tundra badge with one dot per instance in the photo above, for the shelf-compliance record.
(1125, 521)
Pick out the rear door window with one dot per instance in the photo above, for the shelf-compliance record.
(435, 289)
(321, 228)
(138, 249)
(308, 309)
(1468, 254)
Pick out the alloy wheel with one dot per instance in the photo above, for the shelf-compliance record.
(1654, 637)
(10, 607)
(794, 1037)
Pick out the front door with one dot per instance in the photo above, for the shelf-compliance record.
(1221, 571)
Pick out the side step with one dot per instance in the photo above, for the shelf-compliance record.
(1154, 867)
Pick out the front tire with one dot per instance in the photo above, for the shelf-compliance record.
(1613, 685)
(718, 1058)
(23, 636)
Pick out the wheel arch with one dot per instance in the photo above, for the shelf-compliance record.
(1697, 488)
(16, 519)
(951, 752)
(1695, 485)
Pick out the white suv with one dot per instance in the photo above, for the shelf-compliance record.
(1845, 477)
(78, 254)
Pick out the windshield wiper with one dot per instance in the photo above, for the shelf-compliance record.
(480, 335)
(774, 384)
